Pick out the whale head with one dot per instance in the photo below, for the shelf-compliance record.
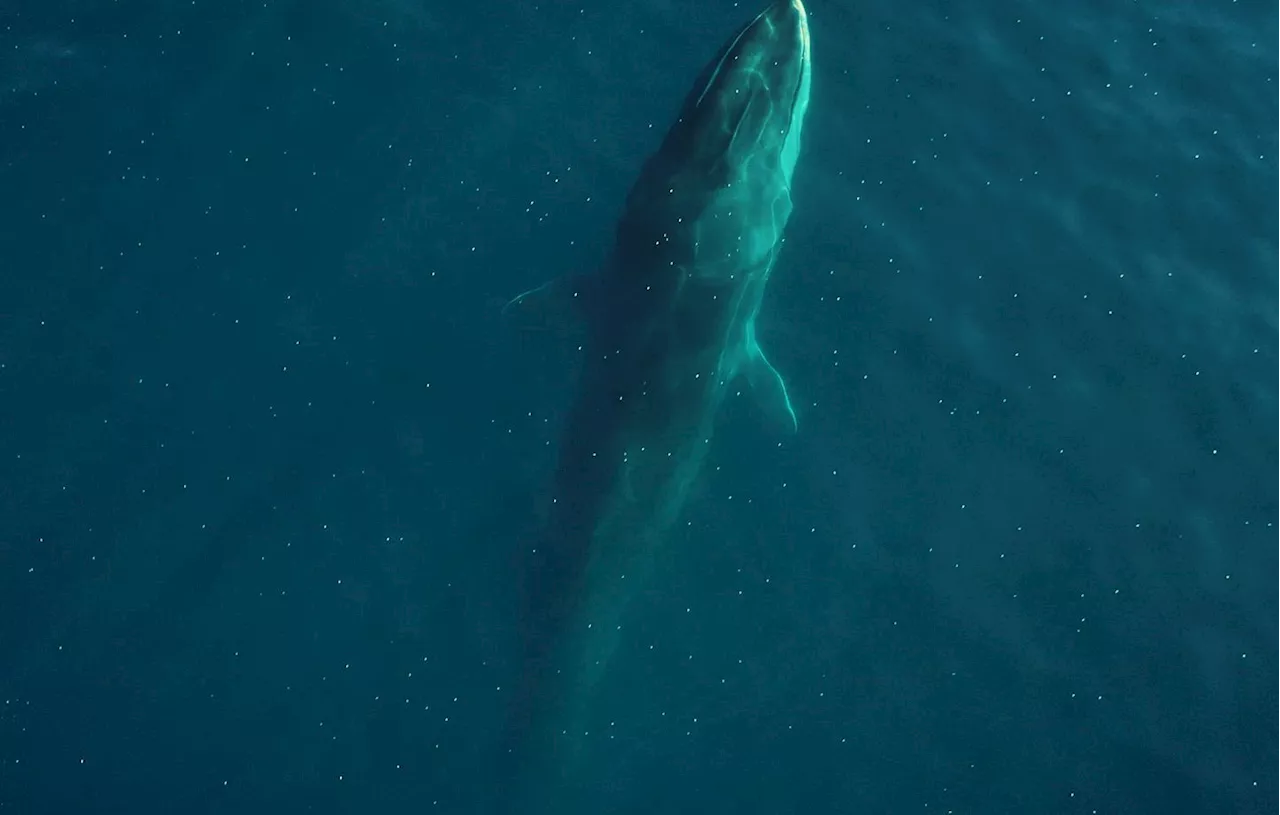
(716, 196)
(746, 111)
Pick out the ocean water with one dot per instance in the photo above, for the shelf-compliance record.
(265, 442)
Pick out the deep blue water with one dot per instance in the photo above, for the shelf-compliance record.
(265, 442)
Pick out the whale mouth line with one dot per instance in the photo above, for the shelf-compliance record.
(711, 80)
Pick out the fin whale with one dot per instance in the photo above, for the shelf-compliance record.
(670, 327)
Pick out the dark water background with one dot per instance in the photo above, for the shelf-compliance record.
(264, 441)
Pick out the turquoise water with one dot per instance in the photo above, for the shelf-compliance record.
(266, 442)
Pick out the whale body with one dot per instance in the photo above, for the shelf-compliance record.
(670, 328)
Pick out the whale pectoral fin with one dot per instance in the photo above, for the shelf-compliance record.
(768, 387)
(558, 304)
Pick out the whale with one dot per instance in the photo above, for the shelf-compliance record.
(669, 332)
